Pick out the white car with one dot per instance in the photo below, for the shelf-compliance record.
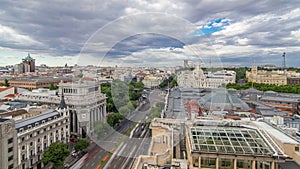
(74, 153)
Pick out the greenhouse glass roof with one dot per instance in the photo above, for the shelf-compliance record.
(228, 140)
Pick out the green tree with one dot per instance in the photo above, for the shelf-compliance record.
(139, 85)
(124, 110)
(56, 153)
(265, 87)
(114, 118)
(123, 95)
(133, 103)
(81, 144)
(240, 72)
(101, 129)
(6, 83)
(174, 82)
(169, 81)
(53, 87)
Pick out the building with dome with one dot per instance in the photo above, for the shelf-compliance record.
(29, 61)
(27, 65)
(198, 79)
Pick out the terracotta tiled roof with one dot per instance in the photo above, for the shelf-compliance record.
(88, 79)
(5, 88)
(14, 113)
(10, 96)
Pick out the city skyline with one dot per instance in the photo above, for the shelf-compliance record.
(240, 34)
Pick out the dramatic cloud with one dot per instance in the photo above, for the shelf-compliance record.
(239, 32)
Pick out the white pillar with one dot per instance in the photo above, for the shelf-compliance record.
(73, 121)
(90, 115)
(98, 113)
(272, 165)
(217, 162)
(234, 163)
(101, 112)
(91, 119)
(104, 112)
(253, 164)
(199, 162)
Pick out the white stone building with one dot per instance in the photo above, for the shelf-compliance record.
(198, 79)
(8, 144)
(152, 81)
(84, 98)
(37, 133)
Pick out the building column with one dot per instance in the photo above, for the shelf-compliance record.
(74, 122)
(59, 134)
(234, 163)
(272, 165)
(199, 162)
(90, 116)
(49, 138)
(92, 119)
(101, 112)
(104, 112)
(98, 113)
(253, 164)
(42, 143)
(217, 162)
(95, 115)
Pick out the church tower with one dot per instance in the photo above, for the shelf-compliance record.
(63, 108)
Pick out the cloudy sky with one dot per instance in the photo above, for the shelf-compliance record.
(150, 32)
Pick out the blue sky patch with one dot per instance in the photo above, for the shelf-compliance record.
(211, 27)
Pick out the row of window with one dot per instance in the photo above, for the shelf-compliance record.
(45, 129)
(51, 134)
(69, 90)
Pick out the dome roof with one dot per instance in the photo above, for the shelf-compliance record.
(28, 58)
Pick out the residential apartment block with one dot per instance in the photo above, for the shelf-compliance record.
(37, 133)
(24, 141)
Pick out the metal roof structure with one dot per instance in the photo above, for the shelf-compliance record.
(229, 140)
(37, 119)
(39, 79)
(221, 99)
(275, 133)
(3, 119)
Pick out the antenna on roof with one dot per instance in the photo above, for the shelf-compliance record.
(283, 61)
